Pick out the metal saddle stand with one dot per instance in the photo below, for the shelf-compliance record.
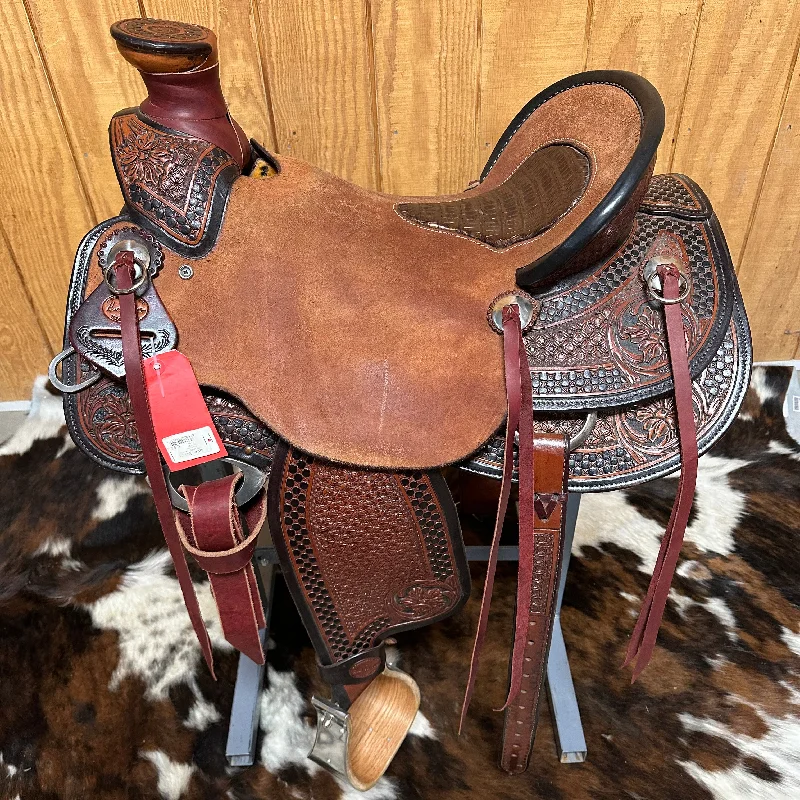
(240, 749)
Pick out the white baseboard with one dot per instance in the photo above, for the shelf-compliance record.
(15, 405)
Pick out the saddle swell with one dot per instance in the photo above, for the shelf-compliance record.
(570, 322)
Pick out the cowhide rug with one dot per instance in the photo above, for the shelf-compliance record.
(103, 693)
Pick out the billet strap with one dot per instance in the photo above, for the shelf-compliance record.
(221, 538)
(215, 533)
(134, 377)
(643, 639)
(544, 549)
(542, 472)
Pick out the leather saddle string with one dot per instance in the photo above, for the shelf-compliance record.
(516, 384)
(134, 375)
(526, 526)
(645, 632)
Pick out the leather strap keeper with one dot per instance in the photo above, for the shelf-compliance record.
(215, 503)
(360, 668)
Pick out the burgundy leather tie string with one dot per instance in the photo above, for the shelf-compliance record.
(645, 632)
(134, 376)
(519, 396)
(526, 525)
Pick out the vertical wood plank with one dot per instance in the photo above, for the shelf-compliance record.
(769, 273)
(742, 61)
(654, 39)
(22, 341)
(42, 205)
(524, 48)
(319, 65)
(233, 21)
(91, 82)
(426, 57)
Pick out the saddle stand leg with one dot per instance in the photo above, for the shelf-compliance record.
(567, 725)
(240, 748)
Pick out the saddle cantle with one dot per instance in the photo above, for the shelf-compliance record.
(567, 322)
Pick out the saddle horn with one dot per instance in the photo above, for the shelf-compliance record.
(179, 64)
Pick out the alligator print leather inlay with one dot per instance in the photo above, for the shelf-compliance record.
(172, 180)
(536, 195)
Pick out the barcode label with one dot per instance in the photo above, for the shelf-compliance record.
(189, 445)
(796, 403)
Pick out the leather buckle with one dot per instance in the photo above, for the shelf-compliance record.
(252, 483)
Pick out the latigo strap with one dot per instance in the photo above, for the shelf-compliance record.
(212, 530)
(217, 540)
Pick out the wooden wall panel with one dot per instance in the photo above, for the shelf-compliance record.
(426, 57)
(769, 273)
(525, 47)
(91, 83)
(25, 352)
(654, 39)
(234, 23)
(42, 205)
(742, 61)
(319, 64)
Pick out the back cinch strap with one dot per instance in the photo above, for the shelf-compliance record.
(542, 501)
(643, 639)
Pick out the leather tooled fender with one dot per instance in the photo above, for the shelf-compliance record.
(354, 583)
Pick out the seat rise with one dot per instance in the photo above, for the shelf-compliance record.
(349, 344)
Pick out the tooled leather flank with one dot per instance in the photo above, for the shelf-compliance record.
(599, 332)
(636, 440)
(172, 180)
(424, 598)
(538, 194)
(107, 424)
(671, 191)
(332, 521)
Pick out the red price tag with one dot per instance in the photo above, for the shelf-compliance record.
(185, 432)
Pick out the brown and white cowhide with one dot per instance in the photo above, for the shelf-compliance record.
(103, 694)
